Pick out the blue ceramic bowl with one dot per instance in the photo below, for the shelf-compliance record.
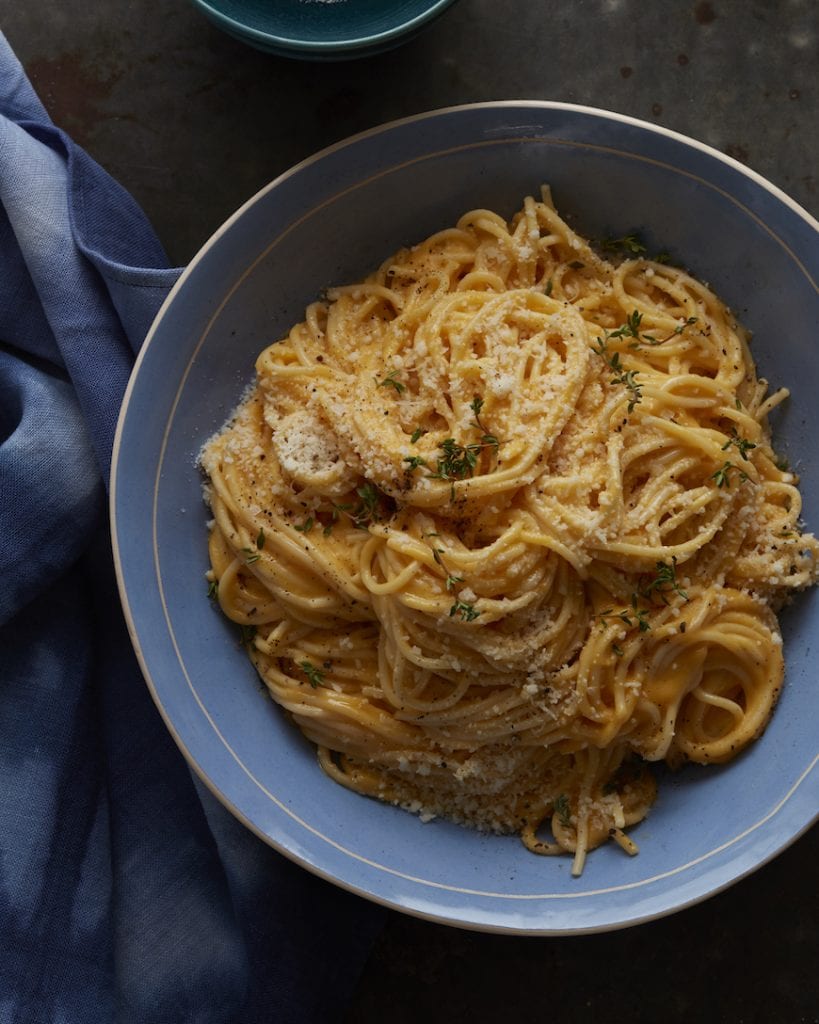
(329, 221)
(322, 29)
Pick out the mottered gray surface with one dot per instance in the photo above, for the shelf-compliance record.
(193, 123)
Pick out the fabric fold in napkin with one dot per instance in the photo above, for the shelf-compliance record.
(127, 893)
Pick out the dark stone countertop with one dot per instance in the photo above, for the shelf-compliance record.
(193, 123)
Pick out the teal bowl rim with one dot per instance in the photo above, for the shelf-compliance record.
(268, 39)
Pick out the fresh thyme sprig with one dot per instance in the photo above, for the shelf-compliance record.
(604, 617)
(633, 245)
(651, 338)
(642, 622)
(213, 589)
(742, 444)
(457, 461)
(314, 675)
(621, 376)
(306, 526)
(627, 243)
(337, 510)
(468, 612)
(367, 510)
(391, 381)
(252, 556)
(689, 321)
(636, 617)
(563, 811)
(664, 581)
(723, 474)
(486, 438)
(630, 329)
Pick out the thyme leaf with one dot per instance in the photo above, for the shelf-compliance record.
(486, 438)
(563, 811)
(630, 329)
(621, 376)
(723, 474)
(681, 327)
(742, 444)
(458, 461)
(366, 511)
(314, 675)
(337, 510)
(467, 612)
(627, 243)
(391, 381)
(665, 581)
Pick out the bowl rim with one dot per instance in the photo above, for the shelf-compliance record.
(315, 46)
(444, 915)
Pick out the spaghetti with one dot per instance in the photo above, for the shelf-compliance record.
(502, 523)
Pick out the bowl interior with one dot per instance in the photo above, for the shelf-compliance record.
(329, 222)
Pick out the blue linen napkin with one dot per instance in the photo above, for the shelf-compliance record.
(127, 893)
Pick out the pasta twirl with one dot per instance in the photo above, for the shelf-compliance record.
(503, 523)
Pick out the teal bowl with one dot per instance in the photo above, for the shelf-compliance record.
(322, 29)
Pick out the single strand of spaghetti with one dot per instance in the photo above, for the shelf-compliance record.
(724, 703)
(576, 559)
(771, 403)
(390, 585)
(220, 552)
(313, 561)
(670, 282)
(315, 317)
(642, 552)
(492, 710)
(481, 280)
(693, 502)
(408, 704)
(708, 442)
(369, 290)
(231, 599)
(582, 827)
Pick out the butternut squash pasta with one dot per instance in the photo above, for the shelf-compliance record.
(502, 523)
